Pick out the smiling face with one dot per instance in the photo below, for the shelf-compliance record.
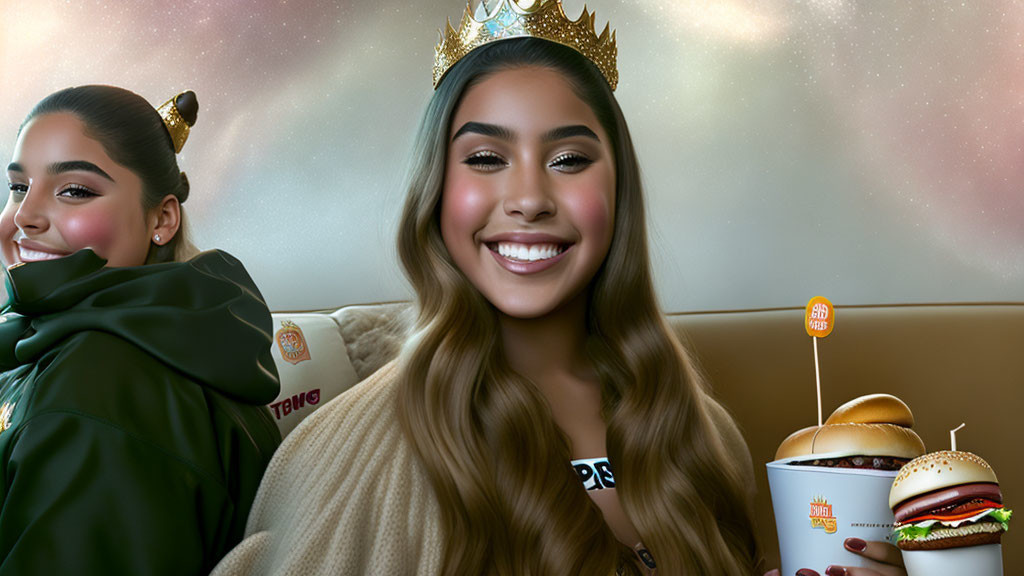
(528, 204)
(67, 194)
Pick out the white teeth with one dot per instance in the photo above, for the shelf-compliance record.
(528, 252)
(34, 255)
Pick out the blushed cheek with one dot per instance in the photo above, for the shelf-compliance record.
(594, 211)
(464, 211)
(7, 231)
(91, 230)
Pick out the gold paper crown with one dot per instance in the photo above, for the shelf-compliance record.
(539, 19)
(176, 125)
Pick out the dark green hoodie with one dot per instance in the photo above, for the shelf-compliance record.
(133, 432)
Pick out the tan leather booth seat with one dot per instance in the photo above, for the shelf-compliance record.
(950, 363)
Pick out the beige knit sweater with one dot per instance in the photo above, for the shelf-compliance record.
(345, 495)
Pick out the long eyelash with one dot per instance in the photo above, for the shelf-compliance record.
(483, 154)
(571, 159)
(484, 158)
(82, 191)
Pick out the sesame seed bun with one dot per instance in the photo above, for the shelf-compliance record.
(936, 471)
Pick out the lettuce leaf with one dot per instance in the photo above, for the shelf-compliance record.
(921, 530)
(910, 532)
(1003, 516)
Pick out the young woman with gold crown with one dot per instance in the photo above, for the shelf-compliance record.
(133, 428)
(542, 418)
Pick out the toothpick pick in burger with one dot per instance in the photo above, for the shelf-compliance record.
(830, 483)
(870, 432)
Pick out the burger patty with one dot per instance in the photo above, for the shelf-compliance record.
(976, 505)
(969, 535)
(948, 501)
(865, 462)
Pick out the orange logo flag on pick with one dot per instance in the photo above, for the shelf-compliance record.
(820, 317)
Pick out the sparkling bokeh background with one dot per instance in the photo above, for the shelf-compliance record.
(870, 152)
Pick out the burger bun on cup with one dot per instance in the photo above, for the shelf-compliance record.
(830, 483)
(949, 514)
(872, 425)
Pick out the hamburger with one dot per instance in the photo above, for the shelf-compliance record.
(947, 500)
(831, 482)
(869, 432)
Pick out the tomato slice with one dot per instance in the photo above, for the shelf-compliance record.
(976, 508)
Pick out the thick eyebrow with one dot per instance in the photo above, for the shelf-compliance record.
(564, 132)
(493, 130)
(76, 166)
(61, 167)
(503, 133)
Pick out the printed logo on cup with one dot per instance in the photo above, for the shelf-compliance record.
(292, 343)
(821, 515)
(819, 318)
(296, 402)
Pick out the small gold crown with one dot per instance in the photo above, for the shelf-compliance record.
(538, 19)
(176, 125)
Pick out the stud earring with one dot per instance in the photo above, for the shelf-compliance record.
(156, 238)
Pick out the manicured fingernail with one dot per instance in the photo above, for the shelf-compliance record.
(806, 572)
(855, 544)
(835, 571)
(646, 557)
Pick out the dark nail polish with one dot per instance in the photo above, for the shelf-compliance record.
(646, 558)
(835, 571)
(806, 572)
(855, 544)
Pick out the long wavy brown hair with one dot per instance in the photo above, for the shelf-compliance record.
(510, 502)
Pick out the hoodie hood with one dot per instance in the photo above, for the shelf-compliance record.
(204, 318)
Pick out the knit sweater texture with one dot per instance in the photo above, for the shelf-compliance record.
(345, 494)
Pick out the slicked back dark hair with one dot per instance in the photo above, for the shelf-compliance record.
(133, 135)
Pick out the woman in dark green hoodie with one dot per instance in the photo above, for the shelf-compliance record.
(133, 432)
